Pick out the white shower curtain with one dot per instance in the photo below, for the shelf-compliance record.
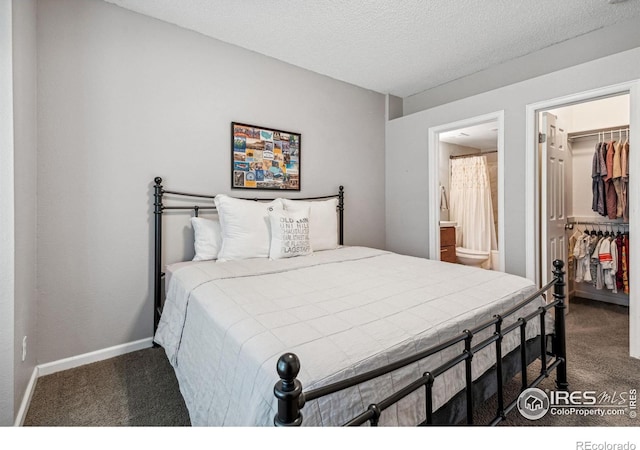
(470, 204)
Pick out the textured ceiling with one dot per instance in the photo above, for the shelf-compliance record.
(400, 47)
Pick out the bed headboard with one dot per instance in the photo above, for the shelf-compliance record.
(205, 202)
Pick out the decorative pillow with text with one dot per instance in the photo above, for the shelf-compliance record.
(289, 234)
(323, 215)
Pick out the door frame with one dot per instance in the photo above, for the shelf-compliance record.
(532, 198)
(434, 191)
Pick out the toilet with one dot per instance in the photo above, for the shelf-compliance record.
(470, 257)
(495, 259)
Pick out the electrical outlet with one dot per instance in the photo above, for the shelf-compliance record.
(24, 348)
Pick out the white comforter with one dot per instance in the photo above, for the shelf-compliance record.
(343, 312)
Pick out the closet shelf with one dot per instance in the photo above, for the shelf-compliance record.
(596, 222)
(598, 131)
(587, 220)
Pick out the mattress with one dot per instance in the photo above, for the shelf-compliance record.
(343, 312)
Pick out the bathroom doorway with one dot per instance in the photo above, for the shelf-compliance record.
(464, 230)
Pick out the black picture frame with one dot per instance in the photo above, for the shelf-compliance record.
(264, 158)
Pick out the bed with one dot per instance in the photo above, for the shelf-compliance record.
(345, 335)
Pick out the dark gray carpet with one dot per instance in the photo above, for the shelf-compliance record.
(597, 360)
(136, 389)
(140, 389)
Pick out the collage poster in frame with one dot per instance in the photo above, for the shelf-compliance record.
(264, 158)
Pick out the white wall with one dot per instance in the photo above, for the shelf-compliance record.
(605, 113)
(7, 280)
(406, 138)
(123, 98)
(25, 136)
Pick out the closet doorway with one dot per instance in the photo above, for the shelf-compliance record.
(577, 206)
(456, 234)
(573, 206)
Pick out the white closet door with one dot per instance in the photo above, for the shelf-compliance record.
(554, 155)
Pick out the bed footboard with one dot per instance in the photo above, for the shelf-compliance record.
(291, 397)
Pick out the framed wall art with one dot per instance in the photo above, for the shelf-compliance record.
(264, 158)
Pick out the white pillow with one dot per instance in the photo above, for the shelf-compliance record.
(245, 227)
(289, 234)
(207, 238)
(323, 221)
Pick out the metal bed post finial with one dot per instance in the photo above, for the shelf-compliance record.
(288, 391)
(560, 331)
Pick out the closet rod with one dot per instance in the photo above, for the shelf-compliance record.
(598, 223)
(621, 129)
(474, 154)
(569, 225)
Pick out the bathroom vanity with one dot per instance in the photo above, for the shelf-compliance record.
(448, 244)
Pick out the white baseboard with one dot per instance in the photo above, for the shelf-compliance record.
(88, 358)
(70, 363)
(26, 399)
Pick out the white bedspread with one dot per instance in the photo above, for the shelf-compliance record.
(343, 312)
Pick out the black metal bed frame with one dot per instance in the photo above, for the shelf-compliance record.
(289, 392)
(291, 398)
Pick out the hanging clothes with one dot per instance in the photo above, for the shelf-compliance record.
(601, 259)
(617, 178)
(609, 191)
(596, 266)
(624, 161)
(572, 258)
(581, 256)
(608, 262)
(593, 262)
(610, 180)
(596, 185)
(625, 263)
(602, 206)
(619, 273)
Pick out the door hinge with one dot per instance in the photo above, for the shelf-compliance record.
(542, 138)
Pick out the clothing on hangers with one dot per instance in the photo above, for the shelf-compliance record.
(610, 178)
(608, 262)
(581, 256)
(609, 191)
(624, 162)
(598, 174)
(619, 282)
(572, 261)
(625, 263)
(596, 267)
(617, 178)
(600, 259)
